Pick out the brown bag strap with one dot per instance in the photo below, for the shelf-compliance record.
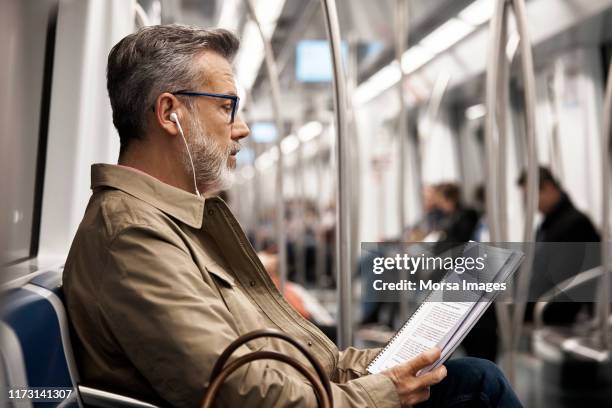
(322, 385)
(213, 388)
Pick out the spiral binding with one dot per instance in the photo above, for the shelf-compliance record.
(400, 331)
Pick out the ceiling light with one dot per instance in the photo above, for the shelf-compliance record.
(377, 83)
(310, 130)
(475, 112)
(446, 35)
(414, 58)
(478, 12)
(289, 144)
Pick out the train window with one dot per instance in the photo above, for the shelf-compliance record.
(27, 29)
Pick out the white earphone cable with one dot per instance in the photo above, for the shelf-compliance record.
(178, 124)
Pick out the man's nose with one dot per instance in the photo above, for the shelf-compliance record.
(240, 130)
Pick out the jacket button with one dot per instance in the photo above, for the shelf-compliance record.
(310, 344)
(252, 283)
(211, 212)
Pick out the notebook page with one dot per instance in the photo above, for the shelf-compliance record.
(429, 327)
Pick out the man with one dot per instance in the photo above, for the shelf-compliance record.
(159, 280)
(556, 262)
(562, 221)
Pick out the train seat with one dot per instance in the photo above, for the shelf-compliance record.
(35, 348)
(572, 356)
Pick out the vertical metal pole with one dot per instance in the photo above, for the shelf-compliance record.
(532, 163)
(272, 71)
(400, 47)
(554, 93)
(417, 167)
(510, 329)
(497, 28)
(354, 155)
(495, 32)
(322, 250)
(300, 207)
(342, 205)
(435, 101)
(502, 98)
(604, 309)
(496, 164)
(530, 115)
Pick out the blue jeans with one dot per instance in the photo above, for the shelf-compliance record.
(474, 383)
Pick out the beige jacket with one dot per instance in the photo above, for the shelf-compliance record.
(158, 282)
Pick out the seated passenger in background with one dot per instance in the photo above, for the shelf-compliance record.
(459, 222)
(555, 263)
(430, 223)
(562, 221)
(159, 281)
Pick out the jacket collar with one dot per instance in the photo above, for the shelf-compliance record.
(182, 205)
(558, 210)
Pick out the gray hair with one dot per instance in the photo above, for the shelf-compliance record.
(154, 60)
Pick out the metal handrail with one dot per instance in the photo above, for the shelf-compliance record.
(561, 288)
(93, 397)
(400, 45)
(604, 309)
(354, 156)
(510, 328)
(502, 139)
(496, 29)
(272, 70)
(435, 101)
(342, 199)
(141, 18)
(532, 162)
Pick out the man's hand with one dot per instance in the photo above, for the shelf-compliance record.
(410, 388)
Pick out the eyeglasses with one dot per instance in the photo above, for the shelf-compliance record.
(235, 100)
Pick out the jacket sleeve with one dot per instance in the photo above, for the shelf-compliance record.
(173, 326)
(353, 363)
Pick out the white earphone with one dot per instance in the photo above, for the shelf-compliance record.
(174, 118)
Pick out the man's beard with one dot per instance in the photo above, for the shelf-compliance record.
(213, 171)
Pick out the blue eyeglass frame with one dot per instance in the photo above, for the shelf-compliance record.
(235, 99)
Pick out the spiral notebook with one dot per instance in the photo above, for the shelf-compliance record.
(444, 319)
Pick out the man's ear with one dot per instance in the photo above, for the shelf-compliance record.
(165, 105)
